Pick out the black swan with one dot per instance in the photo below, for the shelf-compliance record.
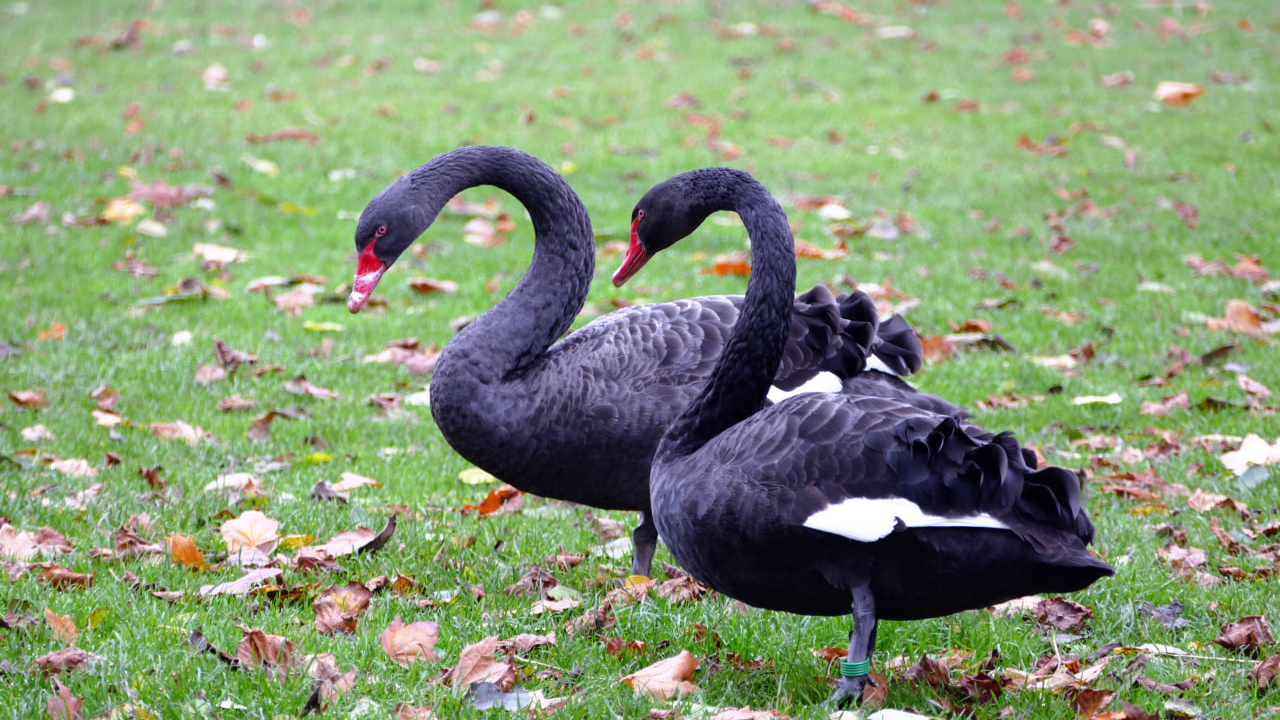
(579, 419)
(825, 503)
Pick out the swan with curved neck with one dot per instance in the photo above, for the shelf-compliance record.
(578, 419)
(831, 504)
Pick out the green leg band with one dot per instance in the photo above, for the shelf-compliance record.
(855, 669)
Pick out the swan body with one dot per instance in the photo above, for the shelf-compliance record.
(839, 503)
(579, 418)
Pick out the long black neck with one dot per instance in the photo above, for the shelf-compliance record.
(544, 303)
(750, 359)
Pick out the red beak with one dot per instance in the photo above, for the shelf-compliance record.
(369, 271)
(635, 259)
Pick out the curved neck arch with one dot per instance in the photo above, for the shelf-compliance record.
(741, 378)
(543, 304)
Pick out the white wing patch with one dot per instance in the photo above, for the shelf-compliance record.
(875, 363)
(822, 382)
(869, 519)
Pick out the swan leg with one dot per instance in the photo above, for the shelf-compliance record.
(645, 541)
(855, 669)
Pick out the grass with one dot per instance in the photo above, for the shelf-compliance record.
(815, 107)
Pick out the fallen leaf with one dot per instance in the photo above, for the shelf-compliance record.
(1264, 672)
(60, 578)
(1249, 634)
(62, 705)
(183, 550)
(62, 628)
(478, 663)
(65, 660)
(407, 644)
(243, 584)
(260, 648)
(429, 285)
(252, 529)
(666, 678)
(1063, 614)
(1177, 94)
(30, 399)
(300, 386)
(503, 498)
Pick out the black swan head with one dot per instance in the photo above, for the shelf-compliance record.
(387, 227)
(668, 213)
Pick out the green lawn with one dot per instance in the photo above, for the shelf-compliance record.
(990, 175)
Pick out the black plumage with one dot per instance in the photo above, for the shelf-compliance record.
(827, 503)
(579, 419)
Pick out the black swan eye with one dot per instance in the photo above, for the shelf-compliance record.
(382, 230)
(639, 214)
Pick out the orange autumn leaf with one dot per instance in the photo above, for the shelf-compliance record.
(56, 331)
(63, 629)
(1177, 94)
(495, 501)
(183, 550)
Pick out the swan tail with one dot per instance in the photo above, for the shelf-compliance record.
(959, 467)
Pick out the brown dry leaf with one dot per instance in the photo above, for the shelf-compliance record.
(1167, 404)
(407, 644)
(241, 585)
(666, 678)
(1063, 614)
(235, 402)
(346, 542)
(339, 608)
(1264, 672)
(63, 628)
(430, 285)
(1204, 502)
(682, 589)
(525, 642)
(1240, 317)
(332, 681)
(259, 648)
(178, 430)
(1246, 383)
(1250, 634)
(300, 386)
(30, 399)
(62, 705)
(1177, 94)
(293, 301)
(65, 660)
(259, 429)
(478, 663)
(60, 578)
(534, 583)
(252, 529)
(503, 498)
(208, 374)
(183, 549)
